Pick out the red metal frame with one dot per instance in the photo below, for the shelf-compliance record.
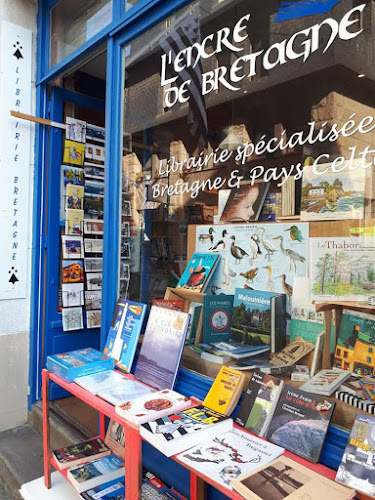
(133, 445)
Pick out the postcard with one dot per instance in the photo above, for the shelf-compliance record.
(74, 152)
(93, 300)
(72, 247)
(93, 170)
(124, 271)
(94, 281)
(75, 129)
(72, 294)
(94, 207)
(73, 271)
(125, 251)
(93, 264)
(72, 319)
(89, 151)
(74, 222)
(95, 133)
(124, 286)
(74, 197)
(125, 182)
(72, 175)
(93, 226)
(126, 208)
(93, 245)
(94, 319)
(94, 187)
(98, 153)
(125, 229)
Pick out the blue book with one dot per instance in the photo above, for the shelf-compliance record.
(217, 314)
(162, 346)
(123, 335)
(74, 364)
(259, 319)
(199, 271)
(92, 474)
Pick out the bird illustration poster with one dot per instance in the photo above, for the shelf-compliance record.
(255, 256)
(342, 268)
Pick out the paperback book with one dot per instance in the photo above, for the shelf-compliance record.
(115, 438)
(217, 312)
(230, 455)
(259, 319)
(245, 203)
(176, 305)
(162, 346)
(225, 391)
(98, 382)
(73, 364)
(180, 431)
(368, 387)
(75, 454)
(259, 403)
(97, 472)
(293, 352)
(151, 406)
(199, 271)
(326, 382)
(288, 480)
(300, 422)
(237, 350)
(130, 389)
(357, 468)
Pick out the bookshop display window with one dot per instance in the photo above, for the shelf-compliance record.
(238, 112)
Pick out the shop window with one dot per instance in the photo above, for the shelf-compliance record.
(74, 23)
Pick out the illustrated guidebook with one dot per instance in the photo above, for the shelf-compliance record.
(227, 456)
(260, 256)
(161, 351)
(342, 268)
(217, 312)
(225, 391)
(198, 272)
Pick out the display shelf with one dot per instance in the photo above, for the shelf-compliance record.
(133, 448)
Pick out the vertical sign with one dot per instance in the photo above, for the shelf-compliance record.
(15, 147)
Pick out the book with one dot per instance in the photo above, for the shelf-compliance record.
(217, 312)
(195, 311)
(75, 454)
(130, 389)
(74, 364)
(154, 489)
(180, 431)
(362, 404)
(277, 370)
(115, 438)
(124, 332)
(99, 381)
(271, 209)
(230, 455)
(357, 468)
(368, 387)
(199, 271)
(97, 472)
(225, 391)
(151, 406)
(355, 350)
(251, 364)
(300, 374)
(284, 478)
(239, 351)
(259, 318)
(177, 305)
(325, 382)
(259, 403)
(300, 422)
(352, 386)
(245, 203)
(162, 346)
(293, 352)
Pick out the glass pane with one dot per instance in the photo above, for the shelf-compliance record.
(130, 3)
(248, 112)
(73, 23)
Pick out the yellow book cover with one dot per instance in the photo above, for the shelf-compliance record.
(225, 391)
(74, 152)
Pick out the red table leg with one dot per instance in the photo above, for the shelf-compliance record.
(46, 429)
(133, 463)
(102, 425)
(197, 487)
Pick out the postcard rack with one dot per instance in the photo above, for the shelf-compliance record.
(133, 447)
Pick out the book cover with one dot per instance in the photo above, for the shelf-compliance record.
(180, 431)
(238, 351)
(225, 391)
(326, 381)
(176, 305)
(259, 403)
(195, 311)
(352, 386)
(129, 389)
(245, 203)
(73, 364)
(284, 478)
(124, 332)
(151, 406)
(368, 387)
(217, 312)
(198, 271)
(341, 269)
(357, 468)
(115, 438)
(259, 318)
(251, 364)
(333, 195)
(72, 271)
(300, 422)
(97, 472)
(230, 455)
(293, 352)
(81, 452)
(99, 381)
(355, 349)
(73, 197)
(162, 346)
(271, 208)
(74, 222)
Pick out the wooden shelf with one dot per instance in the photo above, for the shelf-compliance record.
(355, 306)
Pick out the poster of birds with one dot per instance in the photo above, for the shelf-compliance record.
(256, 256)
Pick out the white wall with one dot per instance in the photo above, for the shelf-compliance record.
(15, 313)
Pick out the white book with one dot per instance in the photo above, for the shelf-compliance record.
(97, 472)
(117, 395)
(98, 382)
(151, 406)
(229, 455)
(326, 382)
